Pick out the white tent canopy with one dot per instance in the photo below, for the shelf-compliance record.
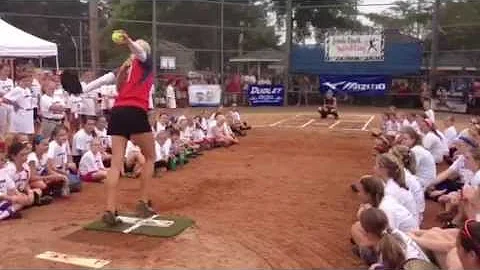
(17, 43)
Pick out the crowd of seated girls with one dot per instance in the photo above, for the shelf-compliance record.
(414, 162)
(36, 170)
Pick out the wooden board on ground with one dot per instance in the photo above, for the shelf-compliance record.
(72, 259)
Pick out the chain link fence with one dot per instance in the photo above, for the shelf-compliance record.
(214, 39)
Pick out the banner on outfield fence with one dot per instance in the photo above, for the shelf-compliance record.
(208, 95)
(359, 47)
(355, 85)
(266, 95)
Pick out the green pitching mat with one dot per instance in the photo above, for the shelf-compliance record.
(155, 226)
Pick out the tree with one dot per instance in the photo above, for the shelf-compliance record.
(205, 39)
(460, 28)
(411, 17)
(313, 20)
(57, 30)
(58, 22)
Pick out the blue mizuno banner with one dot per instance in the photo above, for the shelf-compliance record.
(266, 95)
(355, 85)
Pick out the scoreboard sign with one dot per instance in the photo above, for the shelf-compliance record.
(354, 47)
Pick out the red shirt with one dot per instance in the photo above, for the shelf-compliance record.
(235, 85)
(135, 90)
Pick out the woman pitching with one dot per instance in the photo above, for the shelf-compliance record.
(129, 121)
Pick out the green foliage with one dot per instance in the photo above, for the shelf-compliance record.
(335, 14)
(51, 29)
(460, 25)
(409, 16)
(256, 36)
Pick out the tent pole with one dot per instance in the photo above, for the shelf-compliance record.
(56, 62)
(41, 62)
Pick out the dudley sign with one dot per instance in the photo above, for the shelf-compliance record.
(266, 95)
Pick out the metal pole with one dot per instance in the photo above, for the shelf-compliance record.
(154, 40)
(221, 50)
(288, 43)
(434, 48)
(93, 31)
(80, 34)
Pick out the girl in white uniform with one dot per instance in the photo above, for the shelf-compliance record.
(425, 169)
(60, 159)
(20, 98)
(40, 177)
(391, 247)
(6, 85)
(407, 160)
(162, 150)
(19, 172)
(9, 196)
(433, 140)
(446, 182)
(52, 109)
(91, 167)
(101, 133)
(450, 131)
(389, 169)
(134, 161)
(162, 123)
(82, 139)
(372, 194)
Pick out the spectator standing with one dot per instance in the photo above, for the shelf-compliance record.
(234, 87)
(6, 85)
(170, 94)
(305, 88)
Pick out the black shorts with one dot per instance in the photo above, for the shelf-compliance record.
(36, 116)
(126, 121)
(128, 169)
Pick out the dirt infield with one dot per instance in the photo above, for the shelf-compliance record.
(279, 200)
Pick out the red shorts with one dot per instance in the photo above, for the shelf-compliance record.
(88, 177)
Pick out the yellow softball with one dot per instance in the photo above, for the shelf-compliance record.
(117, 37)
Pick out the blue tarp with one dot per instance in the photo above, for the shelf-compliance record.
(399, 59)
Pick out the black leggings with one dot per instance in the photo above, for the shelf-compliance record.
(325, 112)
(160, 164)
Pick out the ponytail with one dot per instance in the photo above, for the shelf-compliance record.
(374, 188)
(394, 169)
(390, 247)
(391, 250)
(405, 157)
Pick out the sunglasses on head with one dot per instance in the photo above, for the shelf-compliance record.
(467, 233)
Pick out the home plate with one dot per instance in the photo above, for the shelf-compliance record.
(72, 259)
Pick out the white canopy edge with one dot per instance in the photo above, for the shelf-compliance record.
(18, 43)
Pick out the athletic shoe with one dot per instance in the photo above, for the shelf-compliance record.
(354, 188)
(15, 215)
(144, 209)
(111, 219)
(44, 200)
(41, 200)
